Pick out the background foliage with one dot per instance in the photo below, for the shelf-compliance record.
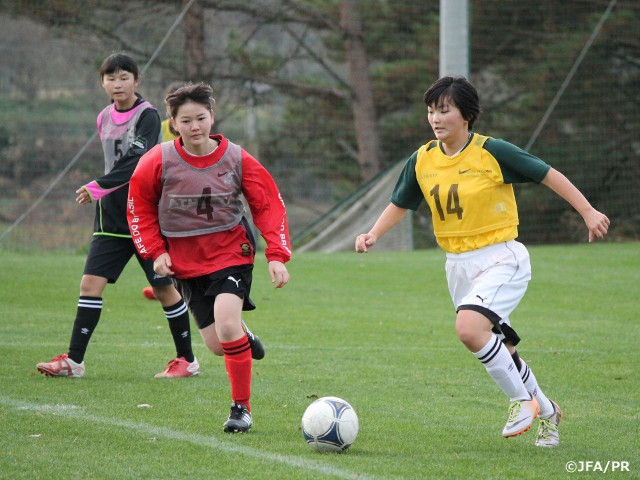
(290, 89)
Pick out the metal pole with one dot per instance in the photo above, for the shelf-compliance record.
(454, 37)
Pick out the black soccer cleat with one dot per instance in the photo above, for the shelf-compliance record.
(257, 348)
(239, 419)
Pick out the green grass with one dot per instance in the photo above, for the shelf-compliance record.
(375, 329)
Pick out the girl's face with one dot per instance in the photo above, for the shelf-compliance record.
(193, 121)
(121, 88)
(447, 122)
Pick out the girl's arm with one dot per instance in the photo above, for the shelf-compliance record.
(145, 189)
(267, 208)
(389, 218)
(597, 223)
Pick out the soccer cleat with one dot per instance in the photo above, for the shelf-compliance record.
(548, 435)
(148, 293)
(239, 420)
(521, 416)
(179, 368)
(257, 349)
(62, 366)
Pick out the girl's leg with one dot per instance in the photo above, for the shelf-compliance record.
(177, 314)
(531, 384)
(237, 358)
(474, 330)
(87, 315)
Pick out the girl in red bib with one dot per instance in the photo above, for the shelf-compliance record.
(186, 214)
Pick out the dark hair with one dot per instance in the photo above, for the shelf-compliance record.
(199, 93)
(119, 61)
(460, 91)
(172, 87)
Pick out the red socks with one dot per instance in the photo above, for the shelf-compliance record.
(238, 362)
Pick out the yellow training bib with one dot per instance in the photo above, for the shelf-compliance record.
(470, 204)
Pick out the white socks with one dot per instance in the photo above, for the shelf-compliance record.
(496, 359)
(531, 384)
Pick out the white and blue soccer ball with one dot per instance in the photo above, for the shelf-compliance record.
(330, 424)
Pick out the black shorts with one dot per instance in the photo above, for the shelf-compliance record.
(200, 293)
(109, 255)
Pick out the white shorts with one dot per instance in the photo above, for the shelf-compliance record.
(491, 280)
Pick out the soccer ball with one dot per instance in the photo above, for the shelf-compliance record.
(330, 424)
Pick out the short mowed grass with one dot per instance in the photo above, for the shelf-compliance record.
(375, 329)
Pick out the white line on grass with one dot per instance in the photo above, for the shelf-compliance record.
(73, 411)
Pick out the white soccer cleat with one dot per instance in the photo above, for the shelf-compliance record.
(521, 416)
(548, 435)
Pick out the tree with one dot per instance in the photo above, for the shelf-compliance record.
(335, 86)
(364, 109)
(323, 36)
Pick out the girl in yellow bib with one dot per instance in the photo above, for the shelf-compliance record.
(467, 179)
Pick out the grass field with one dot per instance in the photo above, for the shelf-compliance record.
(375, 329)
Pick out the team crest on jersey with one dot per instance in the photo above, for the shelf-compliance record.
(246, 249)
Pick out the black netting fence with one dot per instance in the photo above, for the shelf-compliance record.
(327, 95)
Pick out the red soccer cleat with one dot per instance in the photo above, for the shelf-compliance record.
(148, 293)
(61, 366)
(180, 368)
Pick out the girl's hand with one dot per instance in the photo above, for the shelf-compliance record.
(597, 223)
(162, 265)
(83, 196)
(364, 241)
(279, 274)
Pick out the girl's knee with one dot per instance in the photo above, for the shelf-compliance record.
(473, 329)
